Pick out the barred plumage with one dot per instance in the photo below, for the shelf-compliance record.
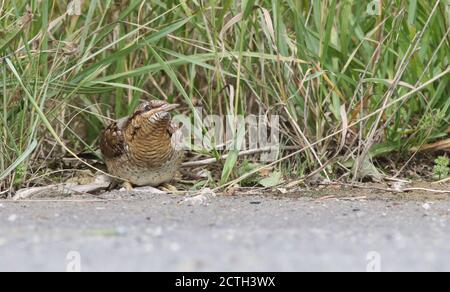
(141, 148)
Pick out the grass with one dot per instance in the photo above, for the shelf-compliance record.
(354, 90)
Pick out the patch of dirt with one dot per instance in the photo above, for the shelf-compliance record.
(387, 191)
(418, 191)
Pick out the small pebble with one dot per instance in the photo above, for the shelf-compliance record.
(282, 190)
(121, 231)
(12, 218)
(426, 206)
(175, 246)
(157, 232)
(230, 236)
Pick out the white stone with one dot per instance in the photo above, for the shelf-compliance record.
(12, 218)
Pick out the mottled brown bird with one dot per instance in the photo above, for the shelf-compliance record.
(143, 148)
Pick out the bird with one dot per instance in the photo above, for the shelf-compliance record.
(143, 149)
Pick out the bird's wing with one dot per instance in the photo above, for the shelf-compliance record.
(112, 141)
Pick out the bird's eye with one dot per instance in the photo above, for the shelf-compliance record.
(148, 107)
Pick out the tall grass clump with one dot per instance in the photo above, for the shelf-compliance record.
(355, 82)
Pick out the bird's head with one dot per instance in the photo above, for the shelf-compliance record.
(155, 111)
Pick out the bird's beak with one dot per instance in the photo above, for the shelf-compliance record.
(167, 108)
(163, 109)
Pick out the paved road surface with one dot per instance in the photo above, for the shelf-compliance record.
(249, 233)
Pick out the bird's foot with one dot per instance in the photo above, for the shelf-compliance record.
(168, 188)
(127, 186)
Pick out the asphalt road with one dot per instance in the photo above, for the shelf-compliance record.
(239, 233)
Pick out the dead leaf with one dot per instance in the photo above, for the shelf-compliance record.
(230, 192)
(101, 182)
(265, 172)
(283, 190)
(274, 179)
(438, 146)
(203, 197)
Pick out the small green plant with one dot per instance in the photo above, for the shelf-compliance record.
(441, 167)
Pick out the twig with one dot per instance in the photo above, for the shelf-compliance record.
(443, 181)
(242, 153)
(426, 190)
(405, 190)
(397, 180)
(305, 139)
(353, 198)
(64, 201)
(324, 198)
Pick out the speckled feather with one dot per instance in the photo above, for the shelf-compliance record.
(141, 148)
